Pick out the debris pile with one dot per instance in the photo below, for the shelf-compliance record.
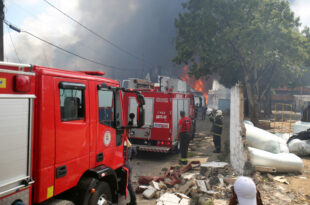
(275, 189)
(195, 181)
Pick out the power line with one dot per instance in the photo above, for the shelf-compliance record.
(13, 46)
(28, 12)
(60, 48)
(96, 34)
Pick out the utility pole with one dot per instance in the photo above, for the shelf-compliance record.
(1, 30)
(143, 66)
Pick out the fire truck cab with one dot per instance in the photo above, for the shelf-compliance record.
(62, 136)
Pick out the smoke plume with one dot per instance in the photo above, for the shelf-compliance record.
(145, 28)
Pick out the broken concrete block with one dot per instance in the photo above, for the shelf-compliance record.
(220, 202)
(157, 194)
(167, 181)
(188, 176)
(169, 198)
(185, 187)
(202, 186)
(162, 185)
(149, 193)
(214, 164)
(203, 170)
(193, 191)
(214, 181)
(212, 192)
(177, 186)
(208, 184)
(141, 189)
(182, 195)
(281, 179)
(221, 179)
(155, 185)
(270, 177)
(185, 201)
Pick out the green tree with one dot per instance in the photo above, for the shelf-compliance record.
(255, 42)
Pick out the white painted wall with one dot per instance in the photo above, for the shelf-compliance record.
(238, 155)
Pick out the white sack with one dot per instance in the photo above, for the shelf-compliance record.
(299, 147)
(248, 122)
(300, 126)
(261, 139)
(284, 136)
(282, 162)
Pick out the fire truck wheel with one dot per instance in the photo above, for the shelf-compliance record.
(102, 194)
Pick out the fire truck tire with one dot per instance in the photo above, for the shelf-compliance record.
(102, 194)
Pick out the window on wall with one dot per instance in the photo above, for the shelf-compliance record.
(72, 103)
(106, 107)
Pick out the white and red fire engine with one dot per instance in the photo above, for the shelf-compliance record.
(62, 135)
(163, 103)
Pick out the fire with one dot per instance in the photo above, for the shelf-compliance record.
(198, 85)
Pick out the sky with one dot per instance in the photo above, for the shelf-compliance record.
(145, 28)
(301, 9)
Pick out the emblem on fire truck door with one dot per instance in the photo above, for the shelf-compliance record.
(107, 138)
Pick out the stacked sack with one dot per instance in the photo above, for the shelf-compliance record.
(269, 150)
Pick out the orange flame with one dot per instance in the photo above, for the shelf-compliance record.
(197, 85)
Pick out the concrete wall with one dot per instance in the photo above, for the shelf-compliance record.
(238, 151)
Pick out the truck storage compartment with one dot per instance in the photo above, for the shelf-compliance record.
(15, 141)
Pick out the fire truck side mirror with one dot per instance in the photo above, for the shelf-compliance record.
(140, 116)
(140, 99)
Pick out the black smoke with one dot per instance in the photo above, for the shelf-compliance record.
(143, 27)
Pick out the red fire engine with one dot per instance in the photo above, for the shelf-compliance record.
(61, 132)
(163, 104)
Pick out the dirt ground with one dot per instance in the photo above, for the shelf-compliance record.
(297, 191)
(154, 164)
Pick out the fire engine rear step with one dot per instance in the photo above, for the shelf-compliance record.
(153, 148)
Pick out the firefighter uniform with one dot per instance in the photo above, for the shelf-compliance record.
(185, 124)
(131, 153)
(216, 117)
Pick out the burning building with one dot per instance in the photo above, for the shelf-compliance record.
(199, 85)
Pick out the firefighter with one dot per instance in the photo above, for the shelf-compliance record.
(184, 129)
(196, 111)
(131, 152)
(204, 112)
(216, 117)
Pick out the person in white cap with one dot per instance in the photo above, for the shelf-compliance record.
(245, 192)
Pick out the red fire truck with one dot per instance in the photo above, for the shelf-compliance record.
(163, 104)
(62, 135)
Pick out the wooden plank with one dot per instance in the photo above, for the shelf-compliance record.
(265, 169)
